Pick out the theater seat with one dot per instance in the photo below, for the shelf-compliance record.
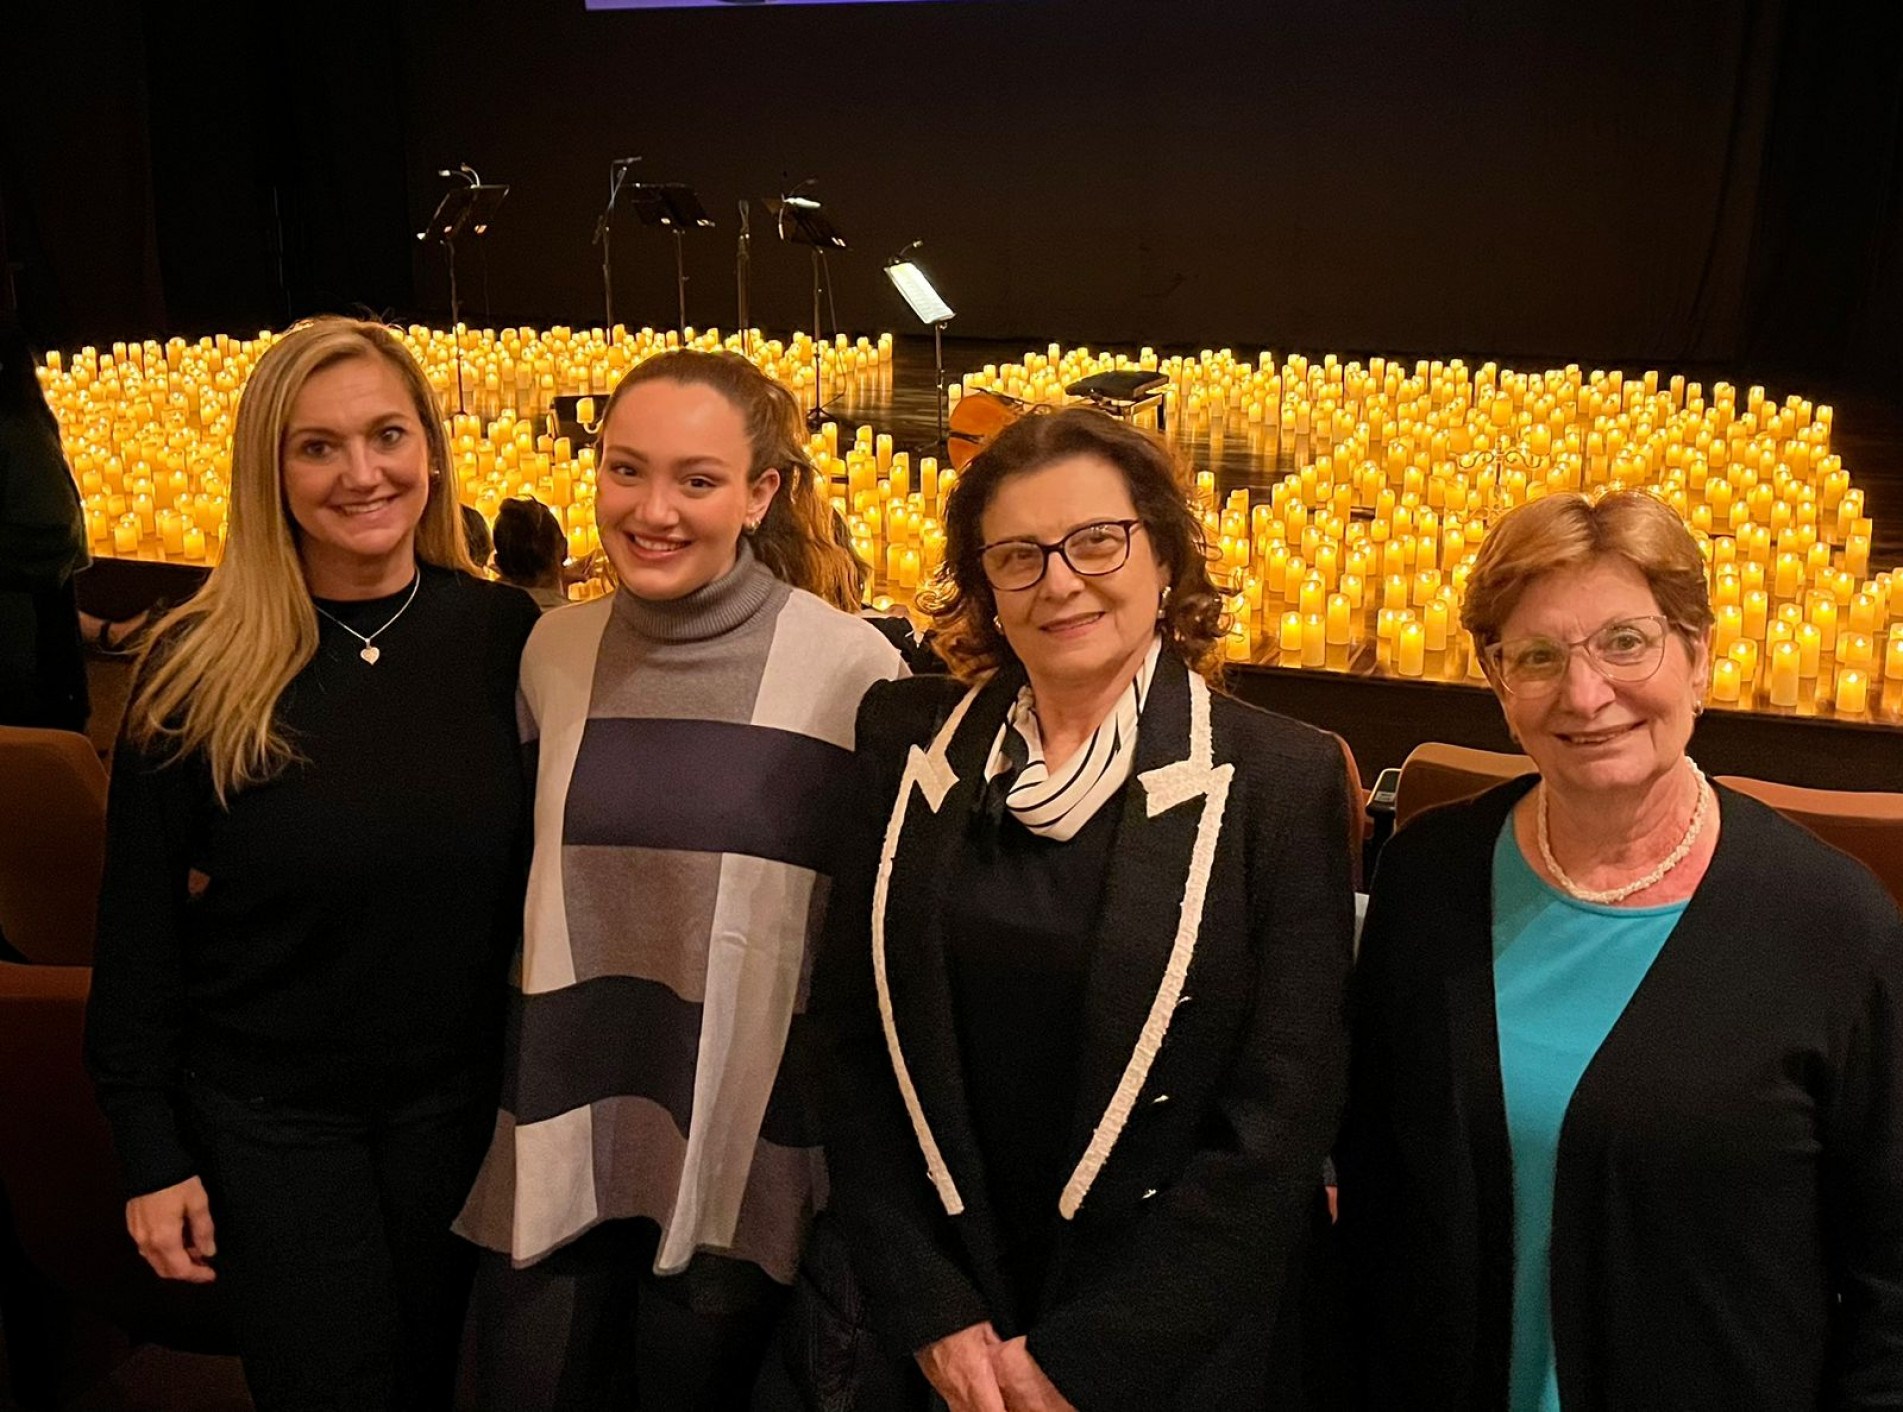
(1434, 773)
(1360, 825)
(52, 843)
(61, 1180)
(1869, 827)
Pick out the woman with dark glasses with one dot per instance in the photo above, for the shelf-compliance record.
(1084, 975)
(1624, 1122)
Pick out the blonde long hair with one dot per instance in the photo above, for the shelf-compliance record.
(211, 671)
(795, 538)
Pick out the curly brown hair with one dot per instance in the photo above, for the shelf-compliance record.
(960, 598)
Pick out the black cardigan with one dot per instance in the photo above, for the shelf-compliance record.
(1728, 1209)
(1164, 1280)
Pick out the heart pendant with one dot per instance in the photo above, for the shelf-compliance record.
(370, 653)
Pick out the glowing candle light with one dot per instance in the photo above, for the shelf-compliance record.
(1784, 674)
(1790, 569)
(1853, 689)
(1290, 641)
(1757, 611)
(1410, 649)
(1810, 643)
(1314, 640)
(1724, 680)
(1822, 612)
(1728, 625)
(1314, 594)
(1338, 628)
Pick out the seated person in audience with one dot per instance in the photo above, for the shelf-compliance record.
(313, 886)
(476, 534)
(529, 550)
(645, 1203)
(42, 546)
(1626, 1116)
(1085, 964)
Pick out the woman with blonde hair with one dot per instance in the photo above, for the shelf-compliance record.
(653, 1173)
(313, 881)
(1083, 977)
(1625, 1126)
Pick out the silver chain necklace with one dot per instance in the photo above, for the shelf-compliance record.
(1651, 879)
(369, 640)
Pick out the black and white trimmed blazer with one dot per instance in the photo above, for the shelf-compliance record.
(1214, 1059)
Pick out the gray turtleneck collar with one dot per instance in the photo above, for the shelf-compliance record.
(709, 611)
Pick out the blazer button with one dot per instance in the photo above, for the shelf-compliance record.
(1160, 1098)
(1148, 1194)
(1182, 1000)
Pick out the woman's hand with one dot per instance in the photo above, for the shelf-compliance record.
(172, 1228)
(1023, 1383)
(960, 1367)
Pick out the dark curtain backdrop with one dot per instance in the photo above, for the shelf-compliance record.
(1627, 181)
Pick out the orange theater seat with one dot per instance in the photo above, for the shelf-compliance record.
(60, 1176)
(1434, 773)
(52, 843)
(1869, 827)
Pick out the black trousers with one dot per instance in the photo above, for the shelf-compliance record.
(592, 1328)
(344, 1285)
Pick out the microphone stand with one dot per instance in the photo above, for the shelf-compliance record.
(604, 237)
(743, 256)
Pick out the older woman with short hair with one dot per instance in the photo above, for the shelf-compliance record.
(1086, 972)
(1624, 1114)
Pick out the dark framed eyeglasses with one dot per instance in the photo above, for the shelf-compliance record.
(1093, 550)
(1626, 650)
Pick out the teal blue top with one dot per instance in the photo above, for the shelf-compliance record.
(1563, 973)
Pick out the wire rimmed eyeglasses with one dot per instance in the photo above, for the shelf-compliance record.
(1093, 550)
(1626, 650)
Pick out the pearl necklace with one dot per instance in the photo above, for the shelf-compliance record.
(1651, 879)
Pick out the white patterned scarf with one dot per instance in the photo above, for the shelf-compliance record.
(1056, 806)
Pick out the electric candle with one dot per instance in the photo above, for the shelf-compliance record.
(1314, 640)
(1338, 627)
(1291, 636)
(1410, 648)
(1724, 680)
(1809, 647)
(1853, 687)
(1784, 674)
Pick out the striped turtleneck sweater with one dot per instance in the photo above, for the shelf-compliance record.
(689, 759)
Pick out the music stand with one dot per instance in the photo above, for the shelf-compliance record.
(673, 206)
(802, 222)
(604, 237)
(463, 210)
(928, 307)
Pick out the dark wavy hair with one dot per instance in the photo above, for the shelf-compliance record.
(960, 598)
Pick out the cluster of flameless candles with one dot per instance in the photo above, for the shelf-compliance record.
(1371, 484)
